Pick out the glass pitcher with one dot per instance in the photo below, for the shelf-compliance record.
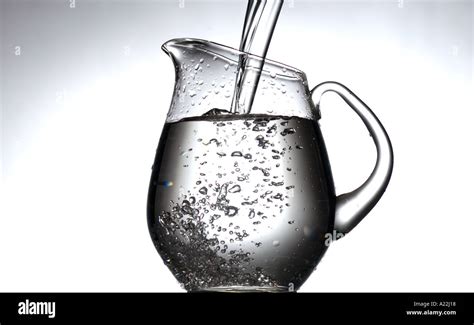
(247, 202)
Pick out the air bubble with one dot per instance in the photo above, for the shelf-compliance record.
(288, 131)
(231, 211)
(234, 189)
(252, 214)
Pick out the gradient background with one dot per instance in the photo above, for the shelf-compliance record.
(85, 90)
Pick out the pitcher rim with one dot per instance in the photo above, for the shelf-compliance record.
(235, 51)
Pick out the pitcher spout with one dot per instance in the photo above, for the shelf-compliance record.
(179, 49)
(206, 74)
(174, 47)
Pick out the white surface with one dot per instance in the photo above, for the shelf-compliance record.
(83, 107)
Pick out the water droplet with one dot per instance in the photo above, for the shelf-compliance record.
(299, 147)
(192, 93)
(236, 154)
(203, 190)
(276, 243)
(196, 67)
(226, 67)
(273, 74)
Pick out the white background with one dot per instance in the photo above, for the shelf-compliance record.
(84, 102)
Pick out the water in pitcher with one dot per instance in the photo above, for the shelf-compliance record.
(240, 202)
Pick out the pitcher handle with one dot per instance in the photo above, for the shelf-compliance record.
(352, 207)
